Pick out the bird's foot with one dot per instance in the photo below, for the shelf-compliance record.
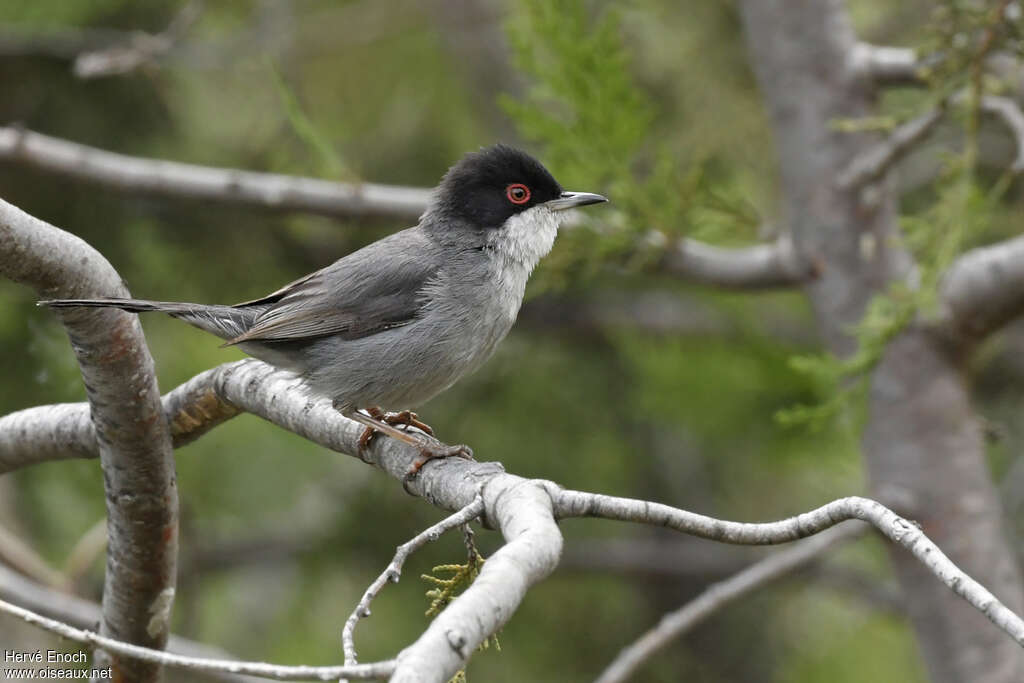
(406, 418)
(402, 418)
(433, 451)
(376, 421)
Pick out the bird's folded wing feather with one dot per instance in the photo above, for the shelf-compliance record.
(366, 292)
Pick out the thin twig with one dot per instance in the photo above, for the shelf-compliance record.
(80, 613)
(895, 528)
(89, 546)
(141, 50)
(878, 159)
(719, 595)
(159, 657)
(23, 557)
(394, 570)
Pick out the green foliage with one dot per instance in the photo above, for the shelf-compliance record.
(944, 228)
(582, 102)
(842, 380)
(935, 236)
(678, 415)
(447, 588)
(961, 33)
(582, 105)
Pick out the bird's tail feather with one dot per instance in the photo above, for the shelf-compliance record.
(226, 322)
(131, 305)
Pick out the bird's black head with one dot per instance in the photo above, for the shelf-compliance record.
(486, 188)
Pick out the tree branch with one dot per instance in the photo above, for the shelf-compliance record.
(142, 49)
(874, 161)
(79, 613)
(763, 266)
(23, 557)
(757, 267)
(519, 508)
(159, 658)
(720, 595)
(1011, 115)
(525, 512)
(886, 66)
(983, 290)
(895, 528)
(132, 439)
(394, 569)
(64, 430)
(161, 178)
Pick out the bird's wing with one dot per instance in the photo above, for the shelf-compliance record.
(366, 292)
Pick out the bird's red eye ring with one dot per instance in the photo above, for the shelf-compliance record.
(517, 193)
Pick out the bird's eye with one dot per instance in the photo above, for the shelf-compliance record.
(517, 193)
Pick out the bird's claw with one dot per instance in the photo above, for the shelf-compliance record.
(365, 439)
(399, 419)
(407, 418)
(436, 451)
(402, 418)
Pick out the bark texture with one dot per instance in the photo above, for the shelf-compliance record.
(922, 445)
(130, 429)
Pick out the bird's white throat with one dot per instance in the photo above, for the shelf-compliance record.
(526, 237)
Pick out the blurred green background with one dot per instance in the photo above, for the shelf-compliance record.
(615, 379)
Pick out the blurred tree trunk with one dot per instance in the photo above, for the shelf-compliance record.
(922, 445)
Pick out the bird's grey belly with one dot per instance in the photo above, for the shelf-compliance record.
(469, 311)
(405, 366)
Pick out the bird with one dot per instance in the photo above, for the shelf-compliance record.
(402, 319)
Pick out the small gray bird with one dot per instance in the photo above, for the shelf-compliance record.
(402, 319)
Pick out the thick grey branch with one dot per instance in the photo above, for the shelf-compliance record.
(522, 510)
(758, 267)
(1011, 115)
(718, 596)
(226, 185)
(519, 508)
(64, 430)
(762, 266)
(983, 290)
(132, 438)
(884, 65)
(525, 512)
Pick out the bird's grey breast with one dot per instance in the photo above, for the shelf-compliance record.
(464, 309)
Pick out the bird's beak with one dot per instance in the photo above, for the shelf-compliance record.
(570, 200)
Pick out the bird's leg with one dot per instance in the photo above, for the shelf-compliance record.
(406, 418)
(376, 421)
(438, 450)
(369, 432)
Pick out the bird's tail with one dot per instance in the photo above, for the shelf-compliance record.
(131, 305)
(227, 322)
